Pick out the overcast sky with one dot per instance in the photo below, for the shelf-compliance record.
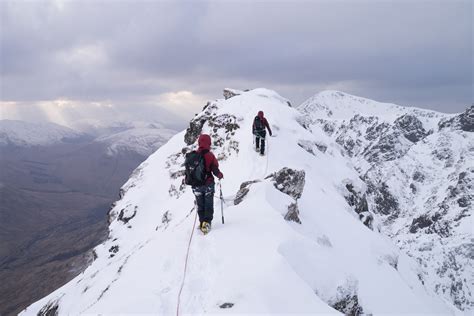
(63, 60)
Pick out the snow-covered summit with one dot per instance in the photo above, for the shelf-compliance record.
(292, 242)
(21, 133)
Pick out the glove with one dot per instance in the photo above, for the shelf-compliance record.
(270, 134)
(220, 175)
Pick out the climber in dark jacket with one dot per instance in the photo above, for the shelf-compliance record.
(258, 129)
(205, 194)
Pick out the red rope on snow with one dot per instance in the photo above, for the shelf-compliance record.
(186, 264)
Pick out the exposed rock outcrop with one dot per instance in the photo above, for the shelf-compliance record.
(194, 130)
(385, 202)
(411, 127)
(463, 121)
(222, 128)
(244, 189)
(312, 146)
(347, 300)
(50, 309)
(226, 305)
(466, 120)
(125, 216)
(289, 181)
(113, 250)
(293, 213)
(358, 201)
(229, 93)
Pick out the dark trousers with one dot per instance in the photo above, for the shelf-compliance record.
(260, 141)
(205, 202)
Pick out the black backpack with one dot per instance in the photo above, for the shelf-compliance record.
(195, 169)
(258, 124)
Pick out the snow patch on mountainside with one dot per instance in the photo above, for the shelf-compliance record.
(291, 243)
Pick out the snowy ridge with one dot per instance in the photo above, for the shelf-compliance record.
(20, 133)
(291, 243)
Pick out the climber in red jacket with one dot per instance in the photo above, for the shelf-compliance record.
(258, 129)
(204, 191)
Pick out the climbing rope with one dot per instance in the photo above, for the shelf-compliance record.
(186, 264)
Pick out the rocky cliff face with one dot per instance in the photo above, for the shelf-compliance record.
(419, 174)
(463, 121)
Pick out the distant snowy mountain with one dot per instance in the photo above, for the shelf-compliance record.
(418, 172)
(143, 141)
(138, 137)
(292, 241)
(20, 133)
(108, 127)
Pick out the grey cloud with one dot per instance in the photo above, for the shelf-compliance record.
(415, 53)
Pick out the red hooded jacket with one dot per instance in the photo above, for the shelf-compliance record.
(212, 165)
(264, 121)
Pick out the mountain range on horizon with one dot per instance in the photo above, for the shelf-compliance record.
(357, 207)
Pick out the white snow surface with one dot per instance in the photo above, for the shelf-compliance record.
(257, 260)
(20, 133)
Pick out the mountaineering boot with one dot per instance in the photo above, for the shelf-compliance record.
(199, 226)
(205, 227)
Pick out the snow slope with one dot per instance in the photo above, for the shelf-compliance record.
(418, 168)
(262, 260)
(20, 133)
